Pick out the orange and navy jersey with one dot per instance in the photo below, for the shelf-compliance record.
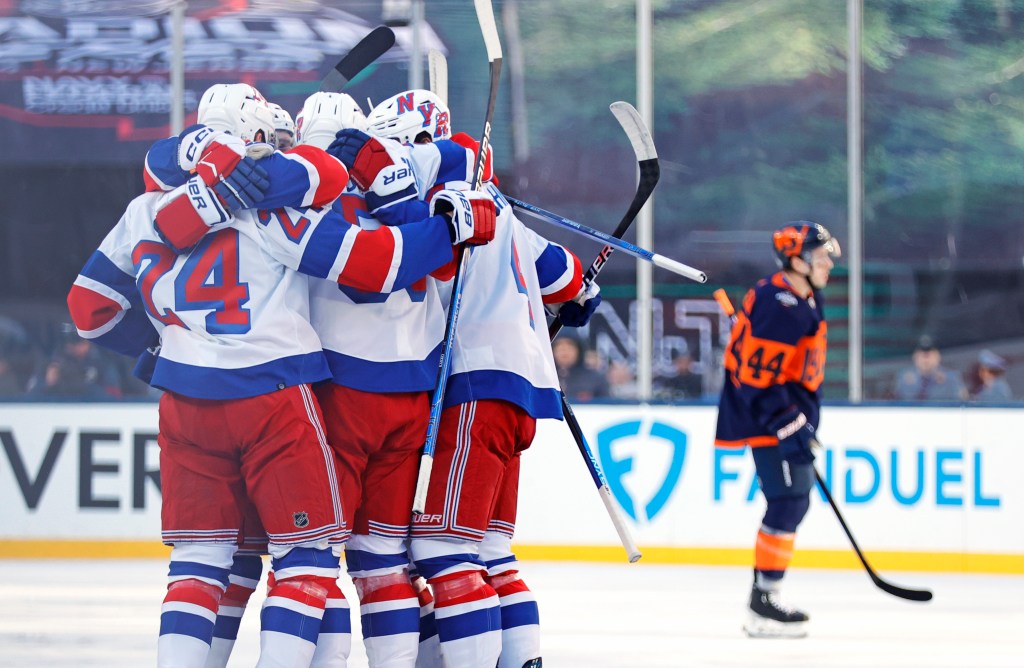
(775, 360)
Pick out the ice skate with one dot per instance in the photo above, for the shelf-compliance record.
(769, 618)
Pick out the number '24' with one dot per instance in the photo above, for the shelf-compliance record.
(208, 280)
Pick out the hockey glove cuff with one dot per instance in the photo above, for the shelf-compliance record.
(795, 436)
(577, 313)
(191, 210)
(470, 214)
(363, 155)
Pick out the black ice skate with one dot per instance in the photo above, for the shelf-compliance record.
(769, 618)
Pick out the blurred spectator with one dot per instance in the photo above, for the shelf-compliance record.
(685, 384)
(10, 386)
(990, 384)
(927, 379)
(78, 370)
(579, 383)
(621, 381)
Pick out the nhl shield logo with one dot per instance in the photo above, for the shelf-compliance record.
(301, 519)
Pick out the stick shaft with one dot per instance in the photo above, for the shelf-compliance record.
(631, 249)
(485, 15)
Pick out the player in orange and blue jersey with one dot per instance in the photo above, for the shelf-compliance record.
(774, 366)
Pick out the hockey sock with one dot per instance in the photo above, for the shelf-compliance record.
(245, 576)
(290, 621)
(389, 612)
(334, 643)
(186, 623)
(520, 620)
(294, 609)
(429, 655)
(772, 554)
(468, 617)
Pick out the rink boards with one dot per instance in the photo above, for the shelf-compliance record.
(921, 488)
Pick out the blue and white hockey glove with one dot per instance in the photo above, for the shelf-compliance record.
(236, 178)
(363, 156)
(470, 214)
(191, 210)
(577, 312)
(795, 436)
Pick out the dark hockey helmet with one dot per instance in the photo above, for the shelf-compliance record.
(799, 238)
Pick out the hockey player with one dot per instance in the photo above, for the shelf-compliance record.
(503, 379)
(237, 349)
(774, 367)
(377, 407)
(284, 127)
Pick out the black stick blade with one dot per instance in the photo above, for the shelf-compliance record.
(919, 595)
(376, 43)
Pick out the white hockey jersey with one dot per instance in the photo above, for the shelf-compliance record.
(501, 348)
(396, 346)
(233, 314)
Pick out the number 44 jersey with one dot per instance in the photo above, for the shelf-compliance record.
(775, 360)
(232, 315)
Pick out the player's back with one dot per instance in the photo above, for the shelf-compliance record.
(501, 348)
(378, 342)
(233, 319)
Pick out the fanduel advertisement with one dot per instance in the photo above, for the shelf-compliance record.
(942, 480)
(915, 479)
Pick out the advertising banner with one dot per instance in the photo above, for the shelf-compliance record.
(938, 481)
(89, 81)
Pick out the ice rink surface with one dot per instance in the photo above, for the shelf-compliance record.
(64, 614)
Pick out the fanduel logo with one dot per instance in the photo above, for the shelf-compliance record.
(651, 486)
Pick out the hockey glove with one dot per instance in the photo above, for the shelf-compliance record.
(237, 179)
(191, 210)
(470, 215)
(795, 435)
(363, 155)
(577, 312)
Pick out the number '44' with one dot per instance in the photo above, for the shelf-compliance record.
(757, 364)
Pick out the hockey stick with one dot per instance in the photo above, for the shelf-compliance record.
(644, 254)
(438, 69)
(889, 588)
(485, 15)
(650, 171)
(371, 47)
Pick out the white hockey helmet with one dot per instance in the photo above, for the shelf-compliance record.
(284, 126)
(323, 114)
(409, 115)
(239, 110)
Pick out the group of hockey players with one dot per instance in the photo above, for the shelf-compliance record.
(290, 301)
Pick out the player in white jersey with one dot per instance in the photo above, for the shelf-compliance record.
(237, 357)
(284, 127)
(503, 379)
(377, 408)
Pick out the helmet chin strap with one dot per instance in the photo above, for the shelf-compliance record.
(806, 277)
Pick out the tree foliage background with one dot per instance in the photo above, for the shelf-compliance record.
(750, 116)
